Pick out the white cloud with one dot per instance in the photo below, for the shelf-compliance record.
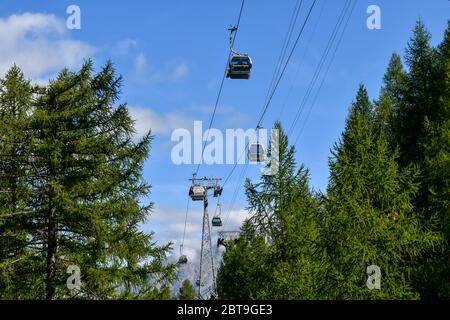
(235, 218)
(144, 71)
(123, 47)
(179, 72)
(208, 109)
(236, 121)
(140, 63)
(179, 227)
(231, 116)
(159, 123)
(169, 223)
(39, 44)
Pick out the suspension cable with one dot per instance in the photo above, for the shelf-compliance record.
(325, 74)
(212, 118)
(221, 83)
(266, 106)
(276, 85)
(321, 63)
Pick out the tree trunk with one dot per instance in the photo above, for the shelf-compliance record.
(52, 248)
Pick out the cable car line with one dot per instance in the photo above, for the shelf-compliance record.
(325, 74)
(331, 40)
(267, 104)
(321, 63)
(182, 257)
(235, 194)
(297, 72)
(222, 82)
(244, 169)
(286, 64)
(287, 40)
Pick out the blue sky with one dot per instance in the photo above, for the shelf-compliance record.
(172, 56)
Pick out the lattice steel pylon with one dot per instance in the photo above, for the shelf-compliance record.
(207, 273)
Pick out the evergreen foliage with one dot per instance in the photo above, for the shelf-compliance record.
(72, 191)
(387, 201)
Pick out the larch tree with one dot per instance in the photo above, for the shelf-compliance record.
(370, 219)
(421, 126)
(278, 246)
(248, 258)
(17, 253)
(187, 291)
(88, 194)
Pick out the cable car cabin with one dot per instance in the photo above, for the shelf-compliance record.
(197, 193)
(183, 259)
(256, 152)
(239, 67)
(216, 222)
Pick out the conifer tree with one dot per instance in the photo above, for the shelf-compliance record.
(248, 258)
(278, 247)
(88, 194)
(393, 96)
(16, 172)
(421, 129)
(370, 219)
(187, 291)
